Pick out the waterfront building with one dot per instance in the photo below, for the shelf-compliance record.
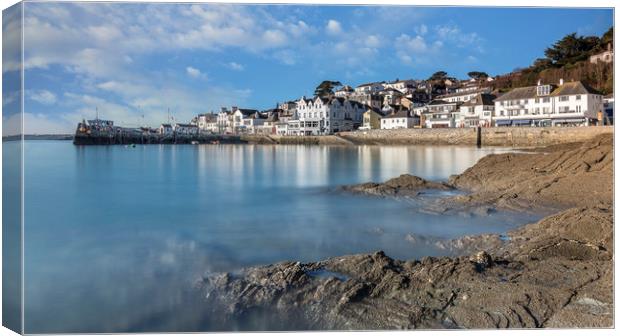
(571, 103)
(606, 56)
(207, 122)
(289, 110)
(239, 116)
(320, 116)
(399, 119)
(372, 119)
(165, 129)
(185, 129)
(441, 114)
(224, 121)
(477, 111)
(252, 123)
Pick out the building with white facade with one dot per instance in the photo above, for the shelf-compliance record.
(370, 87)
(478, 111)
(441, 114)
(207, 122)
(166, 129)
(463, 94)
(238, 124)
(321, 116)
(399, 119)
(572, 103)
(606, 56)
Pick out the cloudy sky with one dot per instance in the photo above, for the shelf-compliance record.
(133, 60)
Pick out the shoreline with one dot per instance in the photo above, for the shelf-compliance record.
(518, 282)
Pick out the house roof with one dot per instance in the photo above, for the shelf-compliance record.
(375, 110)
(574, 88)
(398, 114)
(518, 93)
(570, 88)
(368, 84)
(462, 93)
(481, 99)
(246, 112)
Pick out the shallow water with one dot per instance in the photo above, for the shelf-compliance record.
(115, 237)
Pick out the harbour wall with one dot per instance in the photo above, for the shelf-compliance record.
(493, 136)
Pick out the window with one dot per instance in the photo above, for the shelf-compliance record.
(578, 108)
(536, 100)
(578, 97)
(546, 100)
(563, 98)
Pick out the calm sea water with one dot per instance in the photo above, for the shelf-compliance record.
(115, 237)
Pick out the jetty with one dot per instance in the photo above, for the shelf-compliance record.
(103, 132)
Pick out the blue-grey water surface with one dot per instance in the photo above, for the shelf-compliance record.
(115, 237)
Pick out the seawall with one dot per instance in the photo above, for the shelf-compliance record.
(495, 136)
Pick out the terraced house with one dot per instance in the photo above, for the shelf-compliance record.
(572, 103)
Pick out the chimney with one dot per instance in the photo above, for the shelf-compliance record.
(561, 81)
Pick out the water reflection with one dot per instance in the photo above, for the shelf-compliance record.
(116, 236)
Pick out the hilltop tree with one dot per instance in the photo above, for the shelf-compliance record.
(478, 75)
(571, 48)
(438, 76)
(326, 88)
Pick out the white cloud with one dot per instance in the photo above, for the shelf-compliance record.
(373, 41)
(42, 96)
(195, 73)
(421, 29)
(454, 34)
(236, 66)
(333, 27)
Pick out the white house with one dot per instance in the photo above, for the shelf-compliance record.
(321, 116)
(252, 123)
(370, 87)
(464, 94)
(238, 117)
(478, 111)
(207, 122)
(606, 56)
(224, 121)
(399, 119)
(165, 129)
(572, 103)
(441, 114)
(404, 86)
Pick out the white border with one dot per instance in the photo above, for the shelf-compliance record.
(479, 3)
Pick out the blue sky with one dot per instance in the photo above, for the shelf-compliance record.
(130, 60)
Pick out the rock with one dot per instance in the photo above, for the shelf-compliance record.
(404, 185)
(482, 259)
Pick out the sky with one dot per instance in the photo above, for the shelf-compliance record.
(132, 62)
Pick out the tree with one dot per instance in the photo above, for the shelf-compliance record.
(608, 37)
(477, 75)
(326, 88)
(437, 76)
(571, 48)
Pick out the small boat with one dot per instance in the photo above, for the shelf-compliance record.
(130, 146)
(195, 142)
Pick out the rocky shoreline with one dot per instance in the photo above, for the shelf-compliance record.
(554, 273)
